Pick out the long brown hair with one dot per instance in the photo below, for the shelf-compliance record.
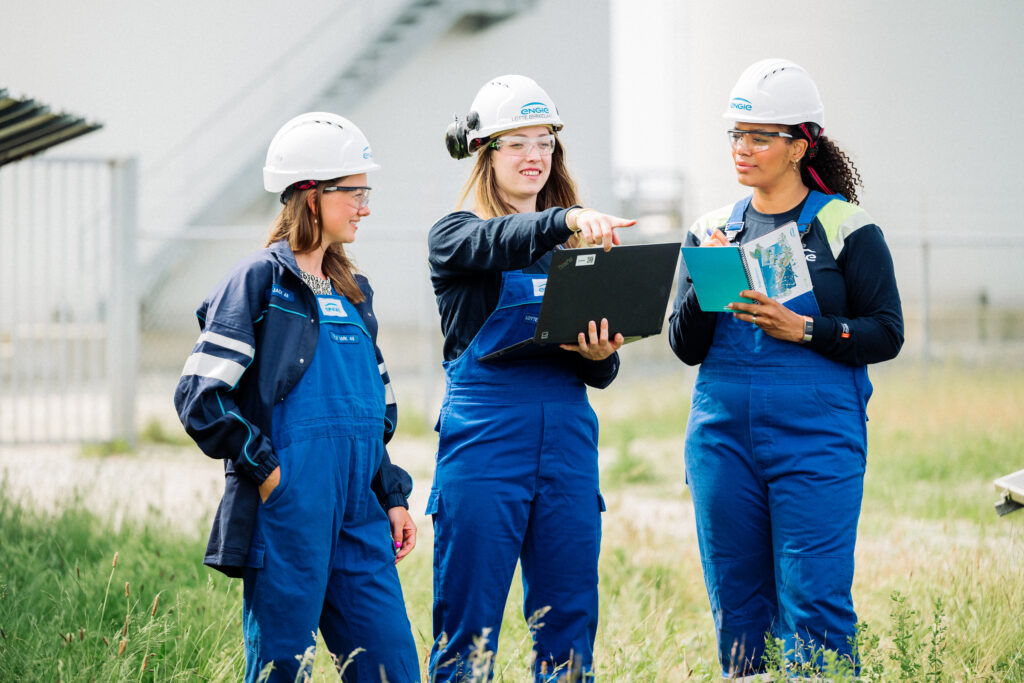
(295, 224)
(559, 190)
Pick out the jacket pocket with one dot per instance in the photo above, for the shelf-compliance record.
(281, 487)
(433, 502)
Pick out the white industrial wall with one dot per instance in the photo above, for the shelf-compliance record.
(924, 95)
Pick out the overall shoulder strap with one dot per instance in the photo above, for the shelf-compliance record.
(738, 209)
(838, 217)
(814, 203)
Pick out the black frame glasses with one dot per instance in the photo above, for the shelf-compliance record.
(362, 199)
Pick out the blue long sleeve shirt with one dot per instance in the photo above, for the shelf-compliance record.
(467, 256)
(861, 319)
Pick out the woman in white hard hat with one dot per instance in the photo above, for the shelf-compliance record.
(287, 386)
(776, 440)
(516, 476)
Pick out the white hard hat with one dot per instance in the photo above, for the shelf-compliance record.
(504, 103)
(775, 91)
(316, 146)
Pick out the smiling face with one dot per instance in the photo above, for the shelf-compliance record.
(340, 211)
(522, 174)
(765, 161)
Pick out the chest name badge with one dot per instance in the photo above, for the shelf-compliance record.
(281, 292)
(539, 284)
(330, 307)
(531, 318)
(344, 338)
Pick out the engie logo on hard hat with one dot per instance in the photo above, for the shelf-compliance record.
(741, 104)
(367, 154)
(533, 110)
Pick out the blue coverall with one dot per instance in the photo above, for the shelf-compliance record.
(775, 453)
(516, 475)
(321, 554)
(281, 377)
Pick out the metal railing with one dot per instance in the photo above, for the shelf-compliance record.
(68, 323)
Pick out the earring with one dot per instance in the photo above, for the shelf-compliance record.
(796, 164)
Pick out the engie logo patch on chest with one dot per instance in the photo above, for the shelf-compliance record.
(281, 293)
(344, 338)
(539, 284)
(331, 307)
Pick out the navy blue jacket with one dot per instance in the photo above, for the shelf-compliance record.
(259, 331)
(467, 257)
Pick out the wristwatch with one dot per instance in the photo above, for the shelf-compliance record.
(808, 330)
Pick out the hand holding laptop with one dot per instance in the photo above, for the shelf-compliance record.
(596, 227)
(626, 289)
(598, 347)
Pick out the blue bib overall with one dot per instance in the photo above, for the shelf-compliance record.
(321, 554)
(516, 479)
(775, 453)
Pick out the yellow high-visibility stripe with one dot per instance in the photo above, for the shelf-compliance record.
(840, 220)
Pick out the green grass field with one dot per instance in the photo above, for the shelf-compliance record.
(939, 580)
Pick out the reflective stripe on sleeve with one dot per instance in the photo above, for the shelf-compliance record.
(205, 365)
(227, 343)
(389, 394)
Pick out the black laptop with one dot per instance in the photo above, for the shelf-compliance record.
(629, 285)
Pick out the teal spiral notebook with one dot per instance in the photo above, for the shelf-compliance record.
(718, 276)
(772, 264)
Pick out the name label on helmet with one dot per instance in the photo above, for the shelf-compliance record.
(741, 104)
(533, 110)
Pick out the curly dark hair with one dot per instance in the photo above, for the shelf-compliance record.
(833, 166)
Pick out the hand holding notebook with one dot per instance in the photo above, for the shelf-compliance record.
(772, 264)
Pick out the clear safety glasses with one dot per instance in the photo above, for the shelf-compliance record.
(754, 140)
(521, 146)
(360, 194)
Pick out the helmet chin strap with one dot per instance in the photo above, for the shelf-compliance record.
(822, 185)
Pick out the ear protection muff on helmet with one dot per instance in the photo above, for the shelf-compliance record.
(456, 137)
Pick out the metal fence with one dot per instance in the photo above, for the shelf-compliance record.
(87, 355)
(67, 322)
